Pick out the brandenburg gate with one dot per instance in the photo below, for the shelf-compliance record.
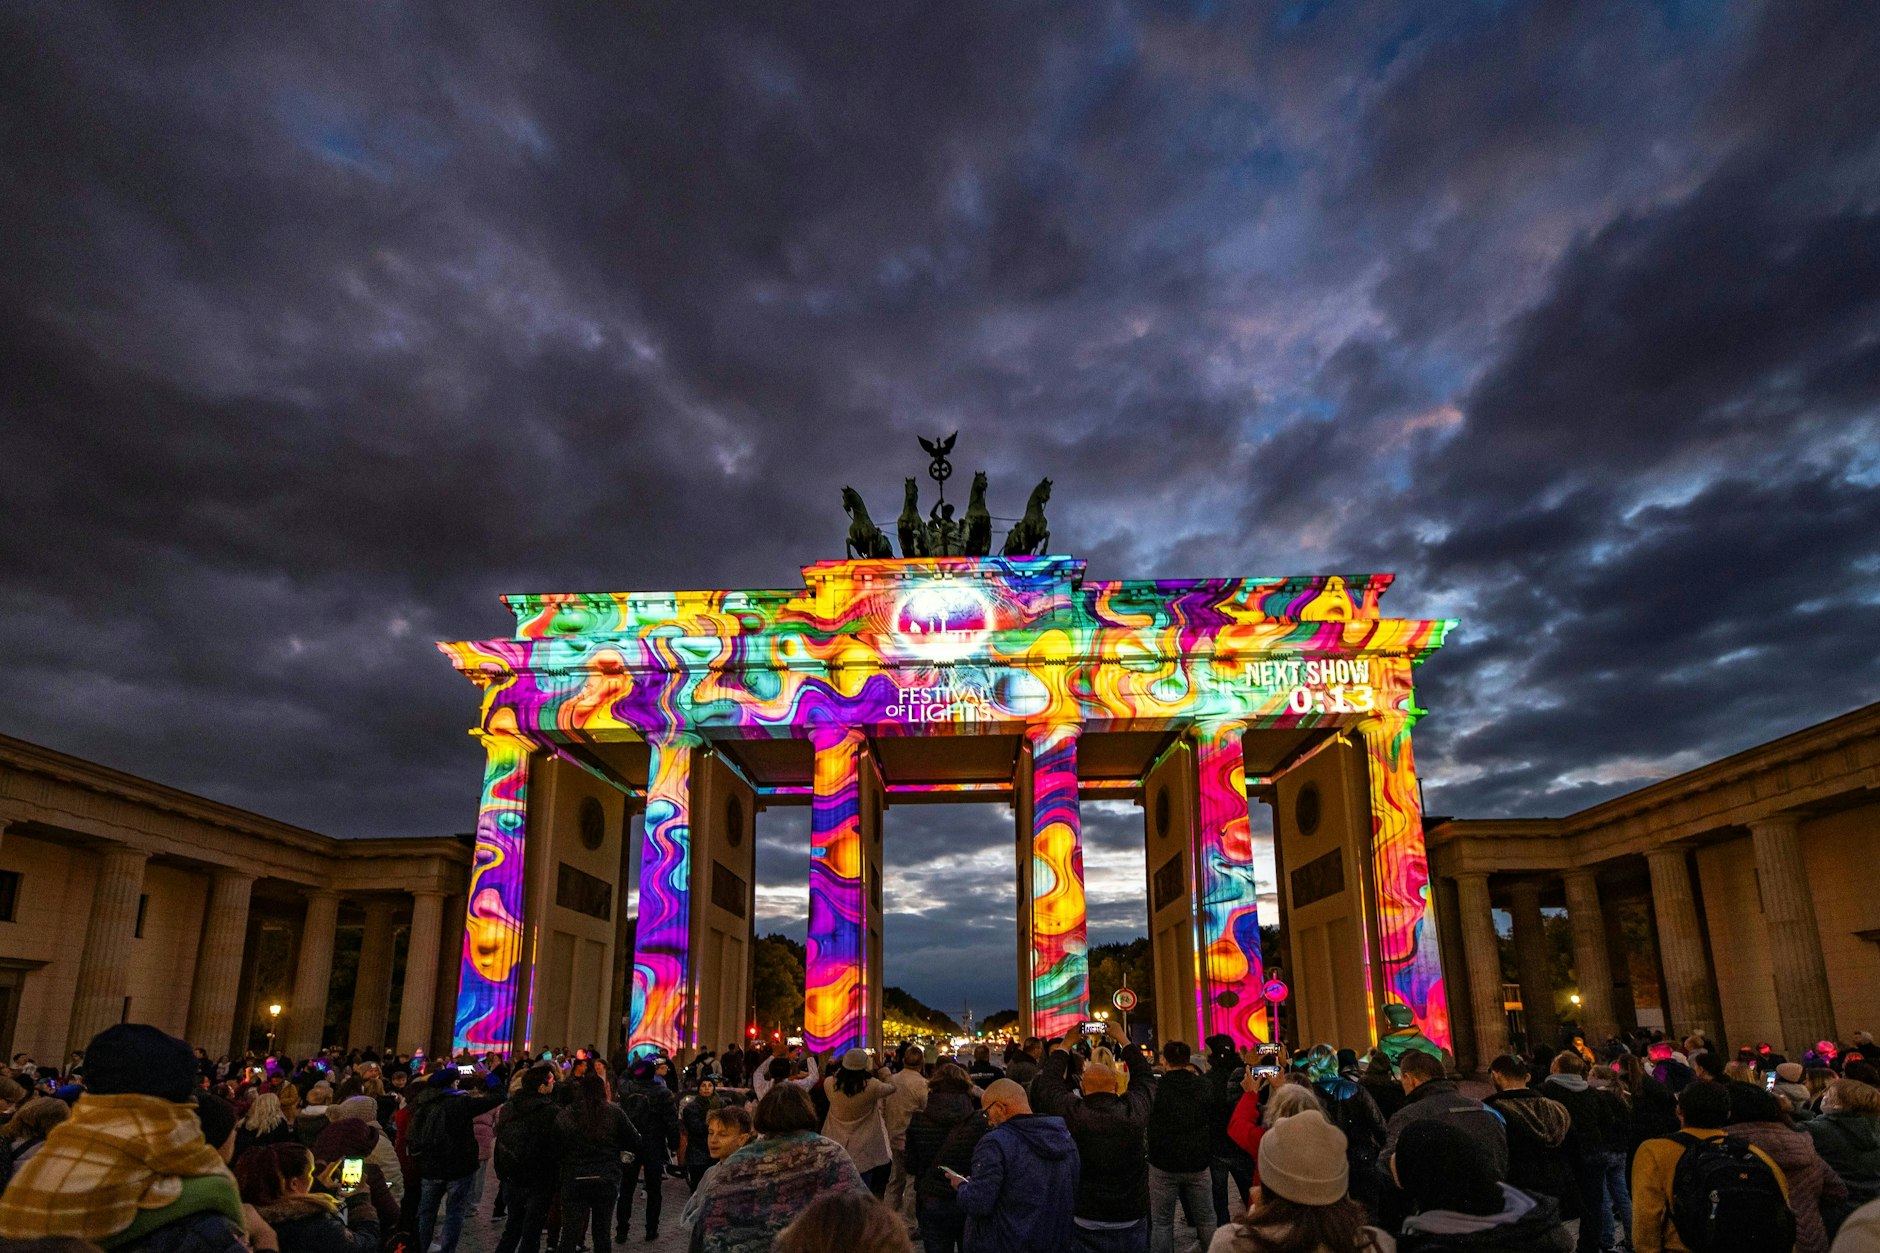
(924, 679)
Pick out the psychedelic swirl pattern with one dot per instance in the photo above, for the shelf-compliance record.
(1406, 922)
(492, 933)
(835, 996)
(663, 933)
(1060, 963)
(955, 646)
(1228, 943)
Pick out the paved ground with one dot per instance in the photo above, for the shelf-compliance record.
(480, 1233)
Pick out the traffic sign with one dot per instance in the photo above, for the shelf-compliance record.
(1274, 991)
(1125, 999)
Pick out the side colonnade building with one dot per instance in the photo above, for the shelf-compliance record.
(1756, 874)
(125, 900)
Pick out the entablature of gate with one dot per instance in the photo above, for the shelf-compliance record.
(950, 646)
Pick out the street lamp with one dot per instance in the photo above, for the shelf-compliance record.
(274, 1020)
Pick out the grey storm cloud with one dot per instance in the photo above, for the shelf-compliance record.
(325, 327)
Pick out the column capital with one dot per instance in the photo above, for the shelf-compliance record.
(676, 739)
(311, 895)
(436, 893)
(1783, 823)
(123, 854)
(1470, 876)
(1579, 874)
(1065, 727)
(1667, 852)
(232, 874)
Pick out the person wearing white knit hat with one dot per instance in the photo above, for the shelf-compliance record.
(1303, 1204)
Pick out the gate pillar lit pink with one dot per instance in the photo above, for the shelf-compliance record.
(1053, 950)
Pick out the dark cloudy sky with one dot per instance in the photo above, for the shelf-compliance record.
(317, 332)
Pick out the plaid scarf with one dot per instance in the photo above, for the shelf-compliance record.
(116, 1155)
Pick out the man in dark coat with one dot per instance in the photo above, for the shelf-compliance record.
(1022, 1194)
(1431, 1093)
(443, 1146)
(1229, 1159)
(654, 1113)
(527, 1159)
(1180, 1150)
(1540, 1161)
(1109, 1128)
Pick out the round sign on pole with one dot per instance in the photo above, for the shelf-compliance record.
(1275, 991)
(1125, 999)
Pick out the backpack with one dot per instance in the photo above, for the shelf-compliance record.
(429, 1134)
(1725, 1199)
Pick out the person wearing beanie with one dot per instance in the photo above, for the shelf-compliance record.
(1303, 1203)
(1459, 1201)
(365, 1109)
(856, 1095)
(1789, 1084)
(130, 1170)
(353, 1131)
(443, 1152)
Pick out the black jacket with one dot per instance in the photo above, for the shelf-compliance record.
(943, 1134)
(1113, 1182)
(1600, 1122)
(1181, 1123)
(692, 1117)
(311, 1224)
(590, 1155)
(1540, 1161)
(654, 1115)
(528, 1144)
(1223, 1078)
(460, 1110)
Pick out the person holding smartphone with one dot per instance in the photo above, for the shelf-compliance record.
(308, 1211)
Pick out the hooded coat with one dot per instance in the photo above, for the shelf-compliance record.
(944, 1133)
(1022, 1194)
(311, 1223)
(1539, 1160)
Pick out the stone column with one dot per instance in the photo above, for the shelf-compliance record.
(660, 1015)
(372, 988)
(1802, 999)
(1483, 955)
(1690, 1000)
(214, 994)
(1590, 958)
(1052, 907)
(835, 1001)
(1534, 962)
(422, 944)
(313, 977)
(104, 969)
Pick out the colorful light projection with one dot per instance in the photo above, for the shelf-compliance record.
(950, 646)
(663, 936)
(1406, 923)
(1232, 983)
(835, 992)
(488, 985)
(1060, 962)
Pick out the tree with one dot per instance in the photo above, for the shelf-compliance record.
(777, 983)
(1110, 963)
(901, 1010)
(1004, 1020)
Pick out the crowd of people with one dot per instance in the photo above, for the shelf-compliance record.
(142, 1145)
